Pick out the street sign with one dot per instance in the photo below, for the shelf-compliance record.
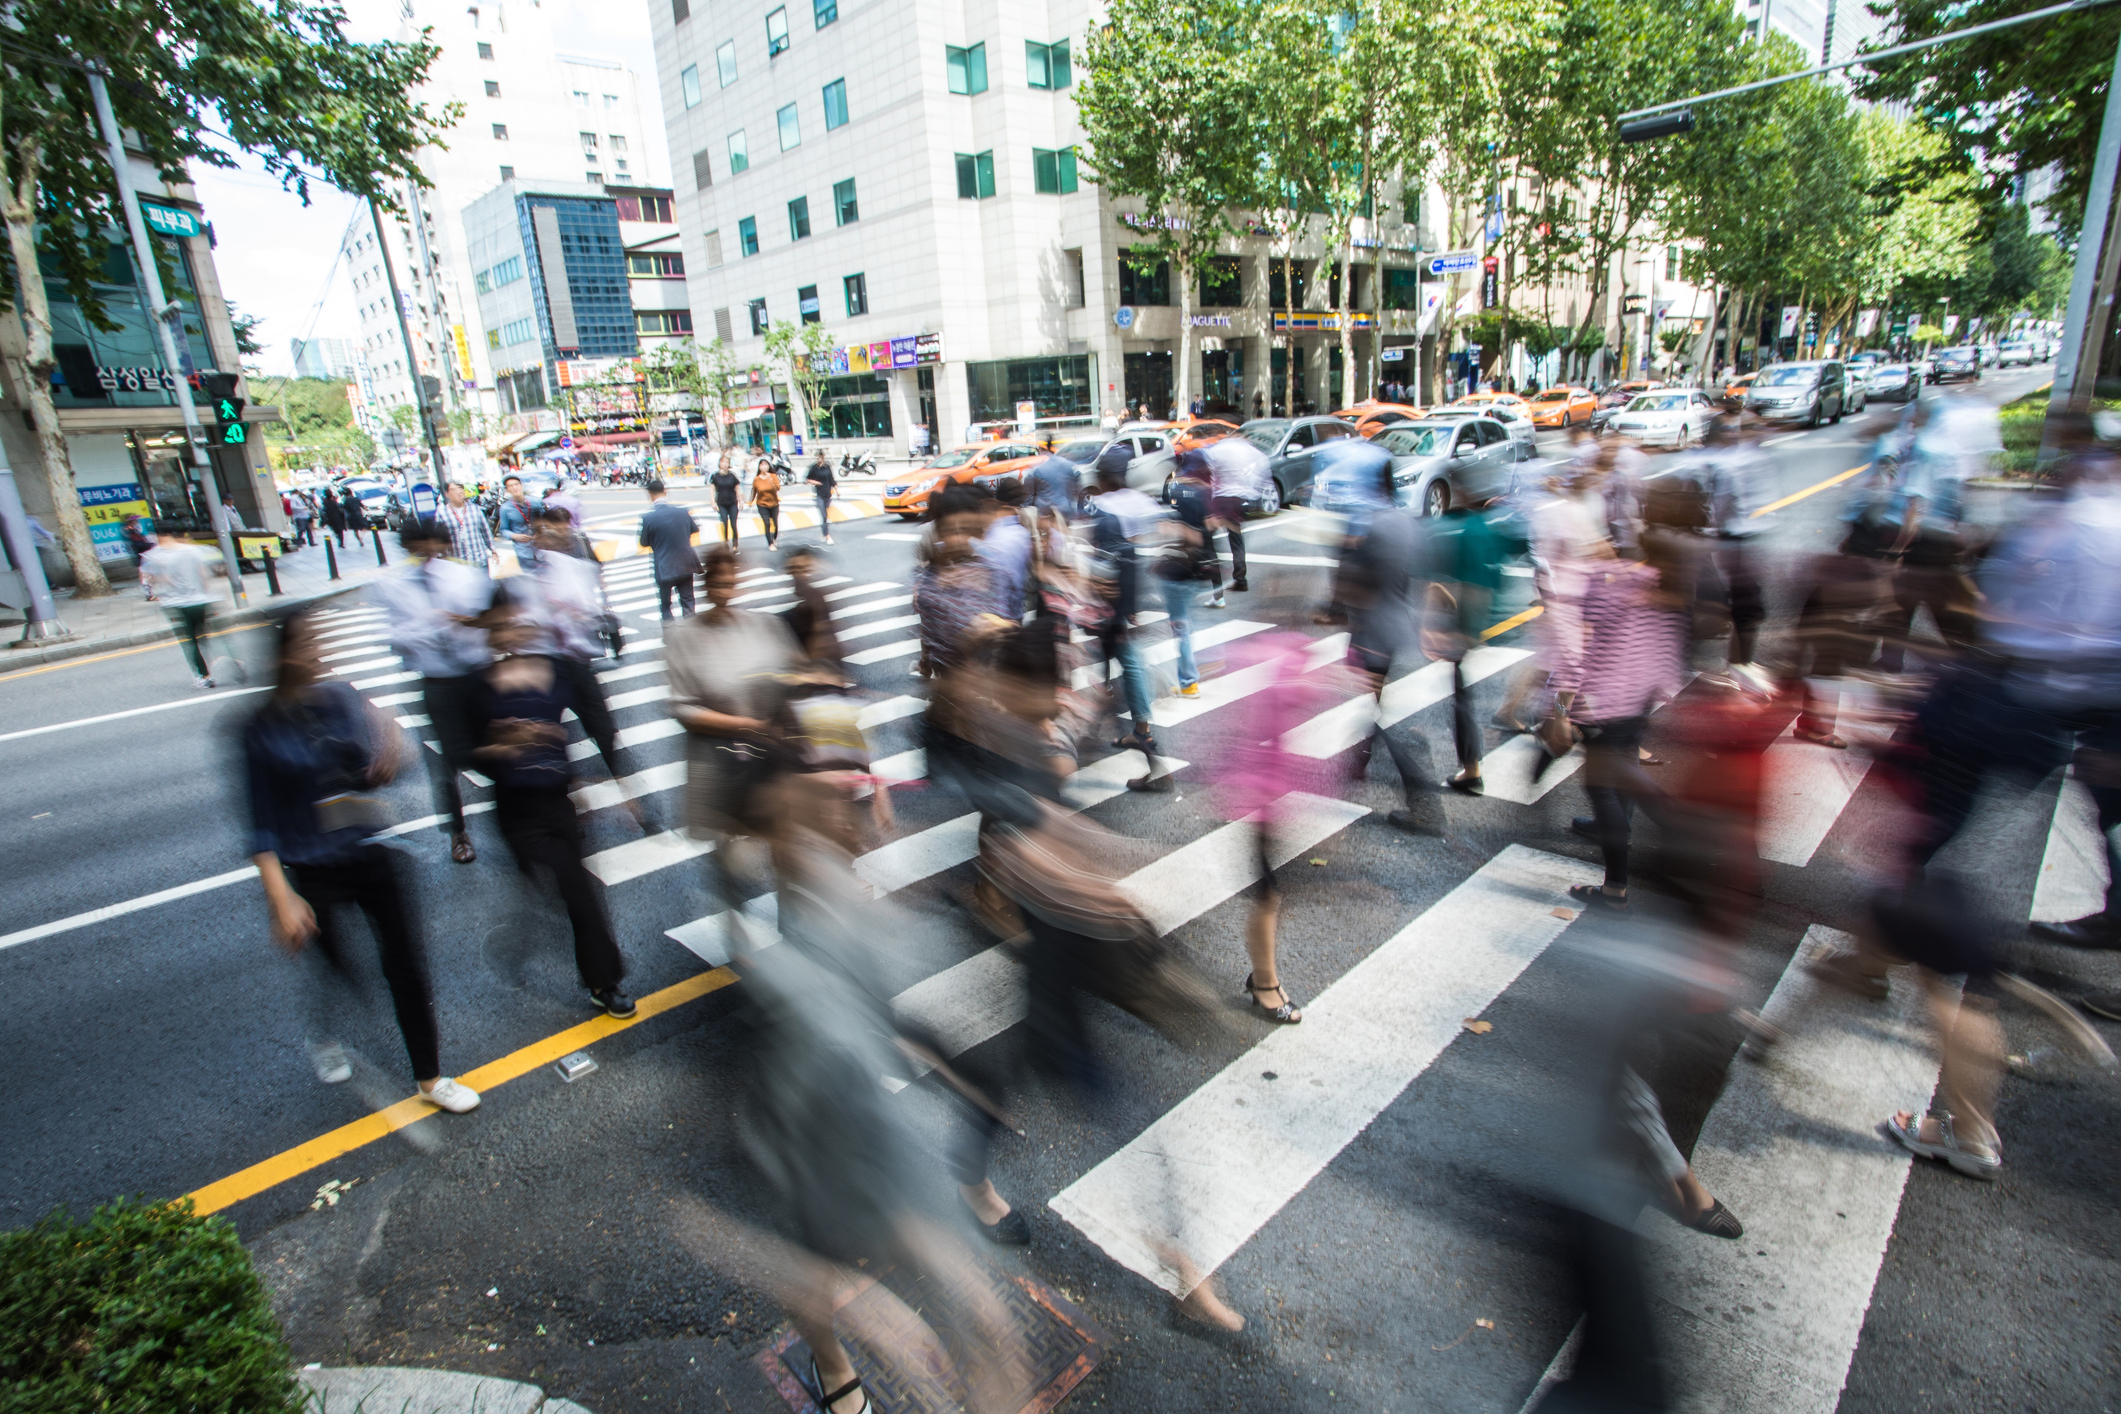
(1453, 262)
(567, 444)
(1630, 305)
(1490, 283)
(1124, 316)
(423, 500)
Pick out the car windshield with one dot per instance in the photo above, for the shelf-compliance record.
(1266, 435)
(1658, 402)
(1553, 395)
(963, 456)
(1787, 373)
(1957, 356)
(1081, 453)
(1890, 370)
(1416, 441)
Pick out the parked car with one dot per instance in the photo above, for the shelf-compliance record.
(1447, 460)
(908, 497)
(1811, 392)
(1152, 461)
(1616, 398)
(1892, 382)
(1200, 431)
(1734, 391)
(2018, 351)
(1958, 365)
(1288, 443)
(1488, 402)
(378, 501)
(1371, 415)
(1670, 417)
(1563, 407)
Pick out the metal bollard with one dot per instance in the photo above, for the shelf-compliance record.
(272, 574)
(331, 559)
(377, 534)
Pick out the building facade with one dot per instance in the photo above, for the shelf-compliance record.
(322, 358)
(116, 397)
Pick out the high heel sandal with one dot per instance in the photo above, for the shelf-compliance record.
(1287, 1014)
(826, 1401)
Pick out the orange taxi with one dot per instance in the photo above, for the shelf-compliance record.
(1562, 407)
(1372, 415)
(1199, 432)
(907, 496)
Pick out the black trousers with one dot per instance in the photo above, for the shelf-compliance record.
(371, 881)
(1741, 586)
(1611, 760)
(770, 520)
(543, 832)
(664, 588)
(1231, 512)
(448, 702)
(590, 706)
(729, 523)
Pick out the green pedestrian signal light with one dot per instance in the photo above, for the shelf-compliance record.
(228, 412)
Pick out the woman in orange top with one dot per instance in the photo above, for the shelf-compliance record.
(766, 500)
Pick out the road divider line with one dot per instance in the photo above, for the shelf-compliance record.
(1805, 789)
(1792, 500)
(2072, 882)
(131, 712)
(337, 1143)
(1256, 1134)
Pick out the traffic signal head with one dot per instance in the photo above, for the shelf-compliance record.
(218, 385)
(229, 430)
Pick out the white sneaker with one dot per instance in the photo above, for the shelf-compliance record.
(330, 1060)
(452, 1096)
(202, 683)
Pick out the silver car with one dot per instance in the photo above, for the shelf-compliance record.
(1668, 417)
(1153, 463)
(1448, 460)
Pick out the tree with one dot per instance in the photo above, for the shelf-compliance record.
(1168, 121)
(279, 78)
(800, 348)
(699, 372)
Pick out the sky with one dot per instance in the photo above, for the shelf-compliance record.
(276, 256)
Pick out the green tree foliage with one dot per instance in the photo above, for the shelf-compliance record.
(801, 350)
(2009, 103)
(280, 78)
(700, 374)
(139, 1308)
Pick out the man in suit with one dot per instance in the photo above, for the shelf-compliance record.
(667, 531)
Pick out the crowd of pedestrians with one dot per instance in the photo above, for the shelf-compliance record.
(1972, 657)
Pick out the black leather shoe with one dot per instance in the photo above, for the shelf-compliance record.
(1011, 1231)
(1585, 825)
(2099, 931)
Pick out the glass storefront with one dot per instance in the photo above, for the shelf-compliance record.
(1149, 381)
(855, 406)
(1061, 387)
(120, 366)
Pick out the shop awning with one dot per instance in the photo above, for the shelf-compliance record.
(746, 414)
(531, 441)
(611, 439)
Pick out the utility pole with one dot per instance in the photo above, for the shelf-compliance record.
(172, 360)
(412, 364)
(2084, 326)
(44, 624)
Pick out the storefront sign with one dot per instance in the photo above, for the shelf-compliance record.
(1312, 321)
(1391, 355)
(927, 348)
(106, 508)
(464, 367)
(1452, 262)
(858, 358)
(581, 372)
(142, 379)
(170, 220)
(1208, 321)
(881, 356)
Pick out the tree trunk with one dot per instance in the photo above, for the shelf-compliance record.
(1706, 345)
(1377, 287)
(32, 373)
(1182, 376)
(1348, 380)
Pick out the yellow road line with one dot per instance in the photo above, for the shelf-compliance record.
(249, 1182)
(1514, 621)
(1811, 490)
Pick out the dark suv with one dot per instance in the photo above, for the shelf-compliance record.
(1960, 365)
(1812, 392)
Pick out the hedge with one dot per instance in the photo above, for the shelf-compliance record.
(143, 1307)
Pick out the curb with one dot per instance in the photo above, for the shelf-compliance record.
(388, 1389)
(87, 647)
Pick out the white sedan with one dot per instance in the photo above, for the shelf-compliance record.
(1676, 417)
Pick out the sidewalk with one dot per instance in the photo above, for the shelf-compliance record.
(127, 618)
(382, 1389)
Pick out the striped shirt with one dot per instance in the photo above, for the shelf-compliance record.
(1633, 646)
(469, 539)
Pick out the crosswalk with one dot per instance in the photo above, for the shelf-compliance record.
(1262, 1128)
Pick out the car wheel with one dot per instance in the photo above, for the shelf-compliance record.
(1270, 503)
(1437, 499)
(1564, 421)
(1839, 408)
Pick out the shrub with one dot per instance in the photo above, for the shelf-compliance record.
(140, 1308)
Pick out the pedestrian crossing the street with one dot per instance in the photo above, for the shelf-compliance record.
(1774, 1321)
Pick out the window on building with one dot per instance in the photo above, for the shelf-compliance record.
(594, 177)
(1146, 283)
(660, 265)
(1060, 386)
(621, 165)
(714, 249)
(689, 84)
(493, 90)
(857, 287)
(1072, 277)
(1047, 64)
(581, 98)
(758, 316)
(507, 272)
(589, 142)
(739, 155)
(1671, 262)
(680, 11)
(858, 405)
(806, 305)
(500, 132)
(508, 174)
(975, 175)
(725, 63)
(611, 101)
(776, 31)
(618, 142)
(799, 219)
(1222, 281)
(723, 329)
(791, 127)
(1053, 173)
(747, 236)
(968, 68)
(485, 51)
(478, 282)
(493, 338)
(658, 210)
(824, 11)
(1402, 287)
(844, 210)
(702, 169)
(662, 321)
(835, 104)
(519, 331)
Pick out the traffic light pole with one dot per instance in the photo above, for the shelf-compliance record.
(172, 363)
(412, 363)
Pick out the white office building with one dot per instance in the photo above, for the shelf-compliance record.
(532, 114)
(322, 358)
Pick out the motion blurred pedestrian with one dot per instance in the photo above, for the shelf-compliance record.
(822, 483)
(667, 531)
(434, 603)
(512, 524)
(313, 756)
(724, 484)
(470, 538)
(1238, 477)
(1119, 518)
(178, 570)
(766, 501)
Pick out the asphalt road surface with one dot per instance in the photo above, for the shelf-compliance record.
(1375, 1189)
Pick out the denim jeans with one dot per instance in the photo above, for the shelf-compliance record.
(1117, 640)
(1178, 602)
